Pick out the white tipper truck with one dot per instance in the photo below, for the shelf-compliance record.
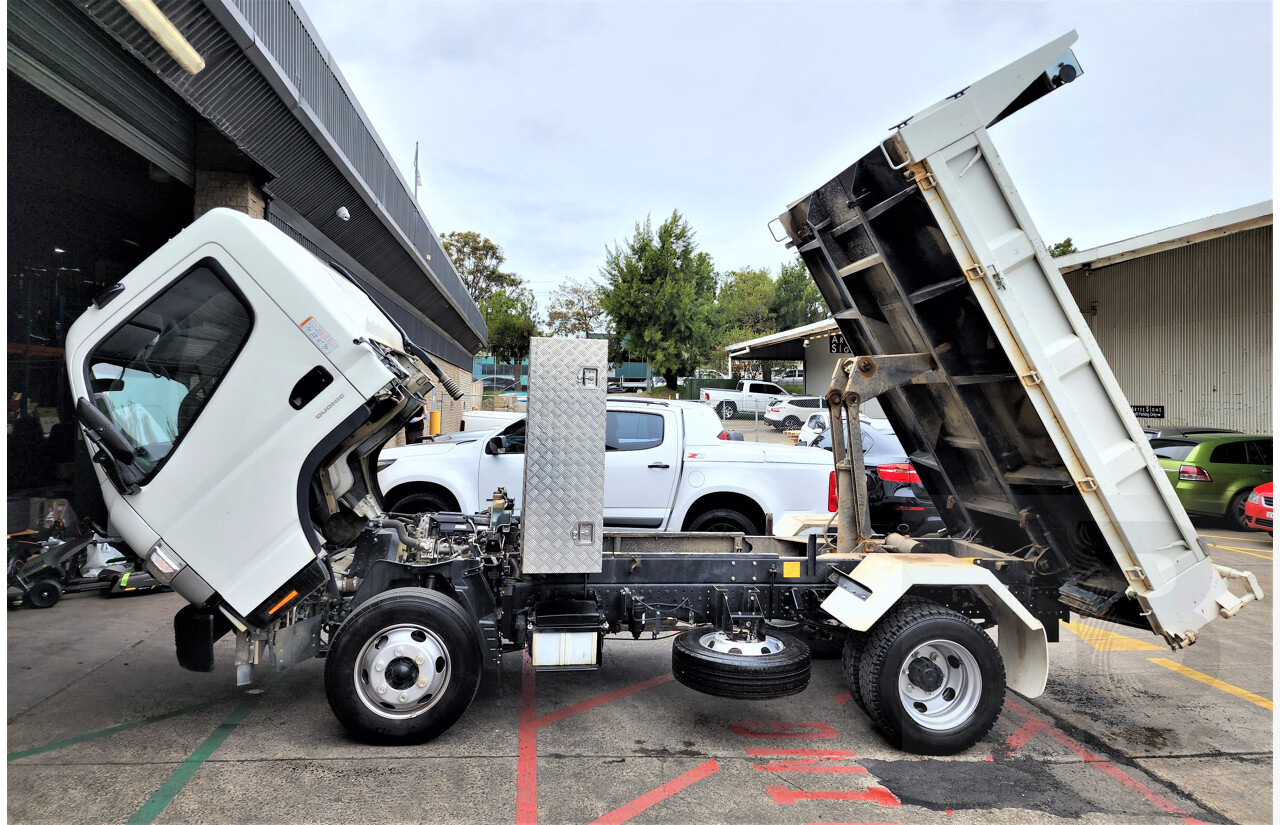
(236, 392)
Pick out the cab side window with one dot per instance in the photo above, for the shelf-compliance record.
(155, 373)
(627, 431)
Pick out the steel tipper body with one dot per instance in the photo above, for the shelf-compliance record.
(1014, 421)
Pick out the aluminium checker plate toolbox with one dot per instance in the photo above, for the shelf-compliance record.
(563, 510)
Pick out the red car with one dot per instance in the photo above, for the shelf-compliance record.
(1257, 508)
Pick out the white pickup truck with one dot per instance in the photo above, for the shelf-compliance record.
(749, 396)
(668, 466)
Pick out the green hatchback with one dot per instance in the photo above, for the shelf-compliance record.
(1213, 474)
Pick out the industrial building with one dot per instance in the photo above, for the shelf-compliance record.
(1183, 316)
(117, 142)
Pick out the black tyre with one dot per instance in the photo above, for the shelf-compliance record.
(708, 661)
(723, 520)
(791, 423)
(421, 501)
(850, 663)
(403, 667)
(931, 679)
(1235, 511)
(44, 593)
(726, 410)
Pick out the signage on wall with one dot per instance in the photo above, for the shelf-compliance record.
(1148, 410)
(838, 345)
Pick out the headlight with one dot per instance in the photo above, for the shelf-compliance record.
(1254, 498)
(163, 563)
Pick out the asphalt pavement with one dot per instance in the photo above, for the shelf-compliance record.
(103, 727)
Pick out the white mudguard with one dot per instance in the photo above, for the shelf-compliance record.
(881, 579)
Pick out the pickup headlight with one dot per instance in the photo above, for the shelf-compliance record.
(163, 563)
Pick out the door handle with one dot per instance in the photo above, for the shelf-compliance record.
(658, 465)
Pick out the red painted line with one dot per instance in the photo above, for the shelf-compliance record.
(643, 803)
(1023, 734)
(842, 697)
(1105, 765)
(806, 761)
(773, 729)
(573, 710)
(783, 795)
(527, 764)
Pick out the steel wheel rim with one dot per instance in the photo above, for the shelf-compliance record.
(953, 701)
(402, 671)
(721, 642)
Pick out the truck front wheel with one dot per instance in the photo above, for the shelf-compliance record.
(932, 680)
(403, 667)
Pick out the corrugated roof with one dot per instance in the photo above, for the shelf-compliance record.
(1214, 226)
(268, 85)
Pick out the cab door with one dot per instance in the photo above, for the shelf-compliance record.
(202, 379)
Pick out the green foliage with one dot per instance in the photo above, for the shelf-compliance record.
(1064, 247)
(660, 292)
(478, 261)
(796, 299)
(745, 302)
(575, 310)
(510, 317)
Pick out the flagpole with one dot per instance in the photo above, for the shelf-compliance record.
(417, 176)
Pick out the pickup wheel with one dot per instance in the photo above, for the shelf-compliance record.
(421, 501)
(723, 520)
(711, 662)
(726, 410)
(932, 680)
(403, 667)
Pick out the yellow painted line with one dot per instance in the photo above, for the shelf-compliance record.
(1242, 551)
(1241, 693)
(1106, 640)
(1236, 538)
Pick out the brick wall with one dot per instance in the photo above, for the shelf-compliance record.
(234, 190)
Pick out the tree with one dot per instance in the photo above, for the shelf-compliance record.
(796, 299)
(1065, 247)
(575, 310)
(510, 315)
(477, 260)
(660, 292)
(745, 302)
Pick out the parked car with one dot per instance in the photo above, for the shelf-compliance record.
(499, 383)
(669, 466)
(748, 396)
(896, 499)
(794, 374)
(790, 413)
(1173, 431)
(1213, 474)
(818, 423)
(1258, 508)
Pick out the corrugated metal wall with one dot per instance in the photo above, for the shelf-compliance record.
(1189, 328)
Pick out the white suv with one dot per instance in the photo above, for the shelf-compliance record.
(789, 413)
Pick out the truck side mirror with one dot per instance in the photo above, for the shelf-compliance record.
(103, 431)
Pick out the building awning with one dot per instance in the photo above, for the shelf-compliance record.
(273, 89)
(788, 345)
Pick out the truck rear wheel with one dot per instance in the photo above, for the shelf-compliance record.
(932, 680)
(850, 664)
(403, 667)
(726, 410)
(711, 662)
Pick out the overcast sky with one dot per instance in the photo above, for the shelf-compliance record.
(554, 128)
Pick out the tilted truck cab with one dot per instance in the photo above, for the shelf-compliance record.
(236, 392)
